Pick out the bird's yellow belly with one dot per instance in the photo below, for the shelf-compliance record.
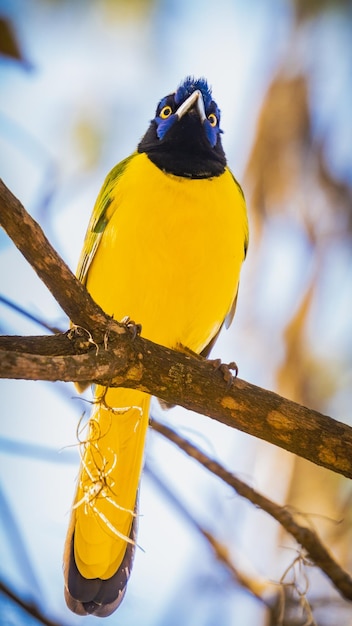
(170, 254)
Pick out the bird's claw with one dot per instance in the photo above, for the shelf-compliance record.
(132, 327)
(225, 369)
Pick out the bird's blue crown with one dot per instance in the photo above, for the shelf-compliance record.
(185, 89)
(191, 84)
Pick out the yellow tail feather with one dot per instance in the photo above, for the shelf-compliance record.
(105, 502)
(165, 249)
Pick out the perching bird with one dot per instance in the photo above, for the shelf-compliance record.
(164, 246)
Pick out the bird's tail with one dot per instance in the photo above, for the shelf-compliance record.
(101, 538)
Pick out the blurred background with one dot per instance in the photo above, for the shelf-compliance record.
(80, 81)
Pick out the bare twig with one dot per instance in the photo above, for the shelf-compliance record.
(19, 309)
(306, 537)
(30, 608)
(256, 586)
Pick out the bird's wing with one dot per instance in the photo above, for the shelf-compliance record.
(100, 216)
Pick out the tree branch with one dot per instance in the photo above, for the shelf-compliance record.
(257, 586)
(106, 353)
(182, 379)
(30, 608)
(51, 269)
(15, 307)
(306, 537)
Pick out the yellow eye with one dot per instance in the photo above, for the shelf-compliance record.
(165, 112)
(212, 119)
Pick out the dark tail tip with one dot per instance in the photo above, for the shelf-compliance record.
(97, 597)
(90, 607)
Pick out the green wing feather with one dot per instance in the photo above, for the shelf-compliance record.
(99, 218)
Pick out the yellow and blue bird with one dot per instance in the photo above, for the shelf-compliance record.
(164, 247)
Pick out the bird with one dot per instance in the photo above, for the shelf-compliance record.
(164, 246)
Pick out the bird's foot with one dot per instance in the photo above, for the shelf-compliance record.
(226, 369)
(132, 327)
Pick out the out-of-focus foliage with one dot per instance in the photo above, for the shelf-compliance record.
(305, 9)
(292, 183)
(8, 41)
(9, 44)
(279, 153)
(288, 170)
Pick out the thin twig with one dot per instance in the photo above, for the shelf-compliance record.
(255, 586)
(29, 607)
(306, 537)
(16, 307)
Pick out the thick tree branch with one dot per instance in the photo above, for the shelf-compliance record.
(105, 353)
(305, 536)
(51, 269)
(184, 380)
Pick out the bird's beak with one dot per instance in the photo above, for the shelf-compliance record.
(195, 100)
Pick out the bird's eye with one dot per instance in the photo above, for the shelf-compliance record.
(212, 119)
(165, 112)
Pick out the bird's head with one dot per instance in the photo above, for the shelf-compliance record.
(184, 136)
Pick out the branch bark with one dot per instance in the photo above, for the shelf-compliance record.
(107, 353)
(181, 379)
(51, 269)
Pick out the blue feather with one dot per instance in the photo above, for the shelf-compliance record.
(164, 125)
(189, 85)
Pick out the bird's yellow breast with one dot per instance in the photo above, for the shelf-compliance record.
(170, 254)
